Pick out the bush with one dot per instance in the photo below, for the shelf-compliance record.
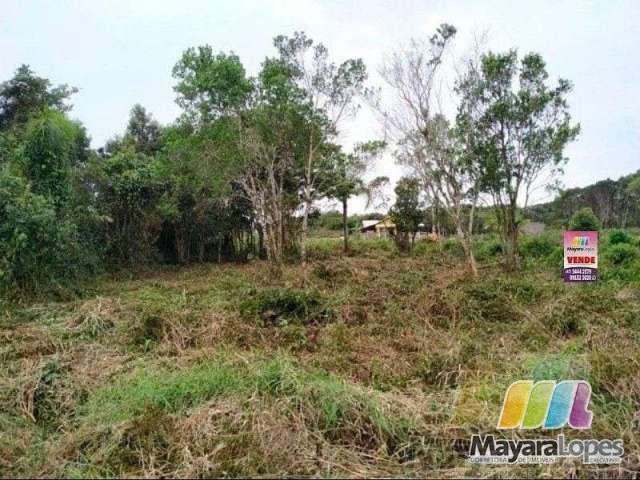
(621, 254)
(555, 258)
(619, 236)
(453, 246)
(323, 248)
(487, 248)
(38, 249)
(278, 305)
(424, 247)
(536, 247)
(584, 219)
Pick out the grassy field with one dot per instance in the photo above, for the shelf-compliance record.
(369, 364)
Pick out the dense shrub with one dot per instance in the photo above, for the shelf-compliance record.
(555, 258)
(536, 247)
(453, 246)
(620, 236)
(129, 190)
(621, 254)
(488, 248)
(49, 155)
(37, 248)
(425, 247)
(584, 219)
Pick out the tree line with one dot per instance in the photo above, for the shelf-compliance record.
(615, 202)
(238, 173)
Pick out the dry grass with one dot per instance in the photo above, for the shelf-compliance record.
(415, 358)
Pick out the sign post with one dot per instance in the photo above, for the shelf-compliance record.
(580, 256)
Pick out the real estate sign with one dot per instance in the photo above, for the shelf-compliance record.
(580, 256)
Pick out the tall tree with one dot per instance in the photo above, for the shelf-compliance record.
(521, 126)
(271, 145)
(210, 85)
(454, 177)
(425, 141)
(331, 90)
(26, 95)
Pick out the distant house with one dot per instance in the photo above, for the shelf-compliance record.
(385, 228)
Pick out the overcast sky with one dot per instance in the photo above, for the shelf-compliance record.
(120, 52)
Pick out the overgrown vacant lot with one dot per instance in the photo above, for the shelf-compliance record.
(376, 364)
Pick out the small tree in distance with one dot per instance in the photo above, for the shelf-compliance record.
(344, 174)
(407, 213)
(584, 219)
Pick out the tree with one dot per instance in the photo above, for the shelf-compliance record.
(344, 178)
(50, 145)
(436, 153)
(331, 91)
(453, 176)
(127, 188)
(200, 207)
(584, 219)
(521, 127)
(143, 131)
(210, 85)
(271, 145)
(632, 204)
(38, 247)
(407, 212)
(27, 95)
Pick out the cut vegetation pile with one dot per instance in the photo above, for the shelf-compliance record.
(367, 364)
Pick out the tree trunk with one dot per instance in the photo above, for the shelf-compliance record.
(305, 227)
(433, 221)
(345, 229)
(465, 240)
(511, 238)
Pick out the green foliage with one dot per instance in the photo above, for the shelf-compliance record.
(622, 254)
(143, 134)
(38, 248)
(280, 305)
(452, 246)
(501, 94)
(129, 188)
(168, 391)
(338, 409)
(488, 247)
(407, 213)
(210, 85)
(615, 202)
(537, 246)
(555, 259)
(584, 219)
(46, 409)
(620, 236)
(49, 145)
(27, 95)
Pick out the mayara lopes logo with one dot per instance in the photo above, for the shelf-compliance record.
(546, 405)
